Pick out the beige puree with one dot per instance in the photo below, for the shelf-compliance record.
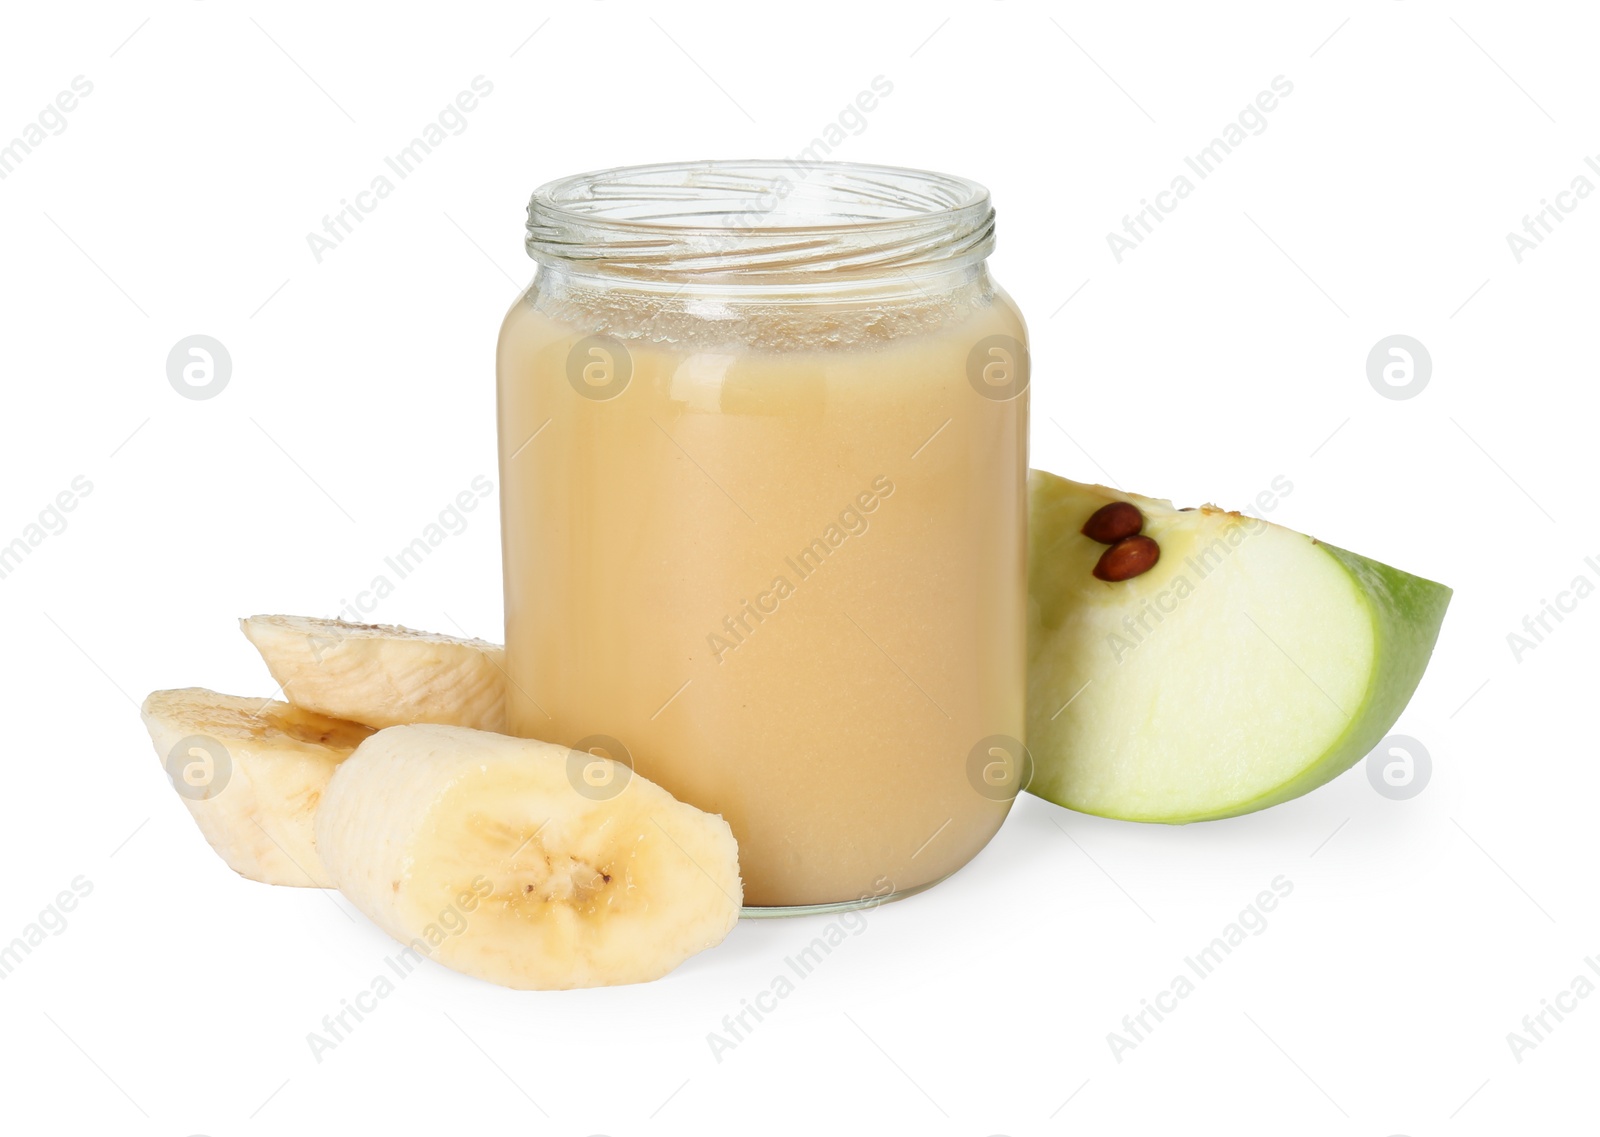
(783, 567)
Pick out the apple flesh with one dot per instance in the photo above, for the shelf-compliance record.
(1246, 666)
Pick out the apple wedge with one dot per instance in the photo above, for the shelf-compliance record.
(1187, 665)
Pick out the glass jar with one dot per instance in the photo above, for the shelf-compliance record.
(763, 450)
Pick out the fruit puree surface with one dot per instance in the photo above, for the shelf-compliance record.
(781, 566)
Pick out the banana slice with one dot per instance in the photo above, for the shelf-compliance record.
(382, 675)
(525, 863)
(251, 772)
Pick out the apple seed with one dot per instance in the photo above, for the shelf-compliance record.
(1112, 522)
(1127, 559)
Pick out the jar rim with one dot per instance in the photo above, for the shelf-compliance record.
(759, 218)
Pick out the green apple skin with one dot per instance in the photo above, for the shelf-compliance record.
(1404, 614)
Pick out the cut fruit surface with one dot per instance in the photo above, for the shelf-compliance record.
(251, 772)
(525, 863)
(381, 674)
(1245, 666)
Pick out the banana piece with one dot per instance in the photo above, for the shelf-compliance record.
(251, 772)
(382, 675)
(525, 863)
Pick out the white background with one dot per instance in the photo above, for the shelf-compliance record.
(1228, 349)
